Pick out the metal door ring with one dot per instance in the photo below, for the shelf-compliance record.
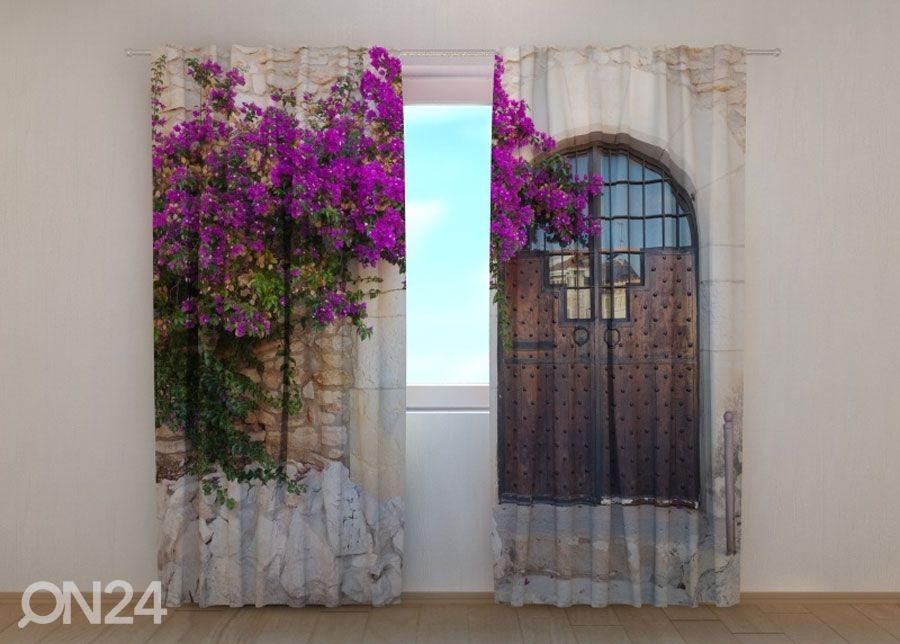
(580, 335)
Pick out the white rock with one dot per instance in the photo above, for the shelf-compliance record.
(274, 547)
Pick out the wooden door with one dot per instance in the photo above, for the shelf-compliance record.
(598, 390)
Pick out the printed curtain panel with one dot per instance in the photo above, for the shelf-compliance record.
(279, 325)
(619, 479)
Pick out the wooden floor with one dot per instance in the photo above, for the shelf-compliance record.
(752, 622)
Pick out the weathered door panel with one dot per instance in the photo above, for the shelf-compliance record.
(595, 409)
(545, 408)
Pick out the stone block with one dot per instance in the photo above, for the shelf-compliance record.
(171, 446)
(267, 349)
(301, 442)
(273, 442)
(721, 309)
(253, 374)
(380, 361)
(722, 263)
(165, 432)
(272, 378)
(327, 418)
(334, 436)
(331, 378)
(334, 359)
(330, 401)
(170, 466)
(334, 343)
(268, 418)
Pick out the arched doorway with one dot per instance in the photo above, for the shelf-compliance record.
(599, 390)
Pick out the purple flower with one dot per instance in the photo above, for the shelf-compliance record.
(526, 195)
(231, 181)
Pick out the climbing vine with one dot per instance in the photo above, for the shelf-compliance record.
(527, 195)
(261, 218)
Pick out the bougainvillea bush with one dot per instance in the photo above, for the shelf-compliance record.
(262, 216)
(261, 219)
(530, 194)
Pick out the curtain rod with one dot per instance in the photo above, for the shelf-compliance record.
(775, 53)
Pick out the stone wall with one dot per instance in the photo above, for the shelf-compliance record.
(334, 543)
(317, 433)
(608, 554)
(324, 371)
(341, 540)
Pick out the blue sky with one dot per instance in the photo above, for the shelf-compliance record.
(447, 149)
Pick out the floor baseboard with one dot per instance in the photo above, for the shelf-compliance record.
(422, 598)
(447, 598)
(822, 596)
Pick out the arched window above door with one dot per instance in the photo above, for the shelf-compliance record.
(641, 208)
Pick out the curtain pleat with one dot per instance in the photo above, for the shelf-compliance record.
(341, 540)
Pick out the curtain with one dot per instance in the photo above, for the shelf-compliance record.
(626, 353)
(321, 522)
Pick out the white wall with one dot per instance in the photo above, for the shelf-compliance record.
(448, 512)
(821, 437)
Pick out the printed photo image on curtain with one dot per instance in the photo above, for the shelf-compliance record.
(618, 374)
(279, 254)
